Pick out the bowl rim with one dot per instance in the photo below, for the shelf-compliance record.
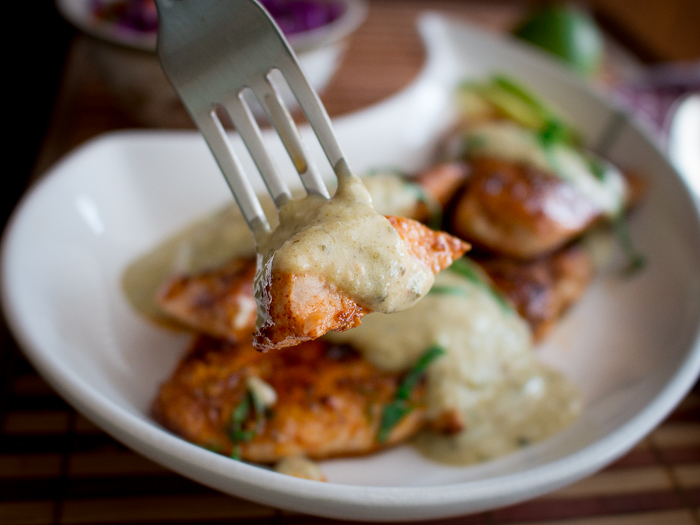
(78, 13)
(353, 16)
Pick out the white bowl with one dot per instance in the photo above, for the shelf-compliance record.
(631, 344)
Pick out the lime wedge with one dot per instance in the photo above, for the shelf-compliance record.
(567, 32)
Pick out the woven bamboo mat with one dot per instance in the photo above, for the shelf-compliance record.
(57, 467)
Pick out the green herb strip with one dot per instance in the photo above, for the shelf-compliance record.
(501, 88)
(554, 130)
(596, 166)
(386, 171)
(441, 289)
(550, 128)
(519, 91)
(465, 268)
(434, 208)
(239, 417)
(400, 406)
(635, 260)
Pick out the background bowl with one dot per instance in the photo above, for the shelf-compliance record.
(126, 60)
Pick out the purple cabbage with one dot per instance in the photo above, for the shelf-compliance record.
(293, 16)
(136, 15)
(297, 16)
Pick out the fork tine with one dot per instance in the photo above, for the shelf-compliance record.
(287, 130)
(215, 137)
(211, 51)
(247, 127)
(313, 109)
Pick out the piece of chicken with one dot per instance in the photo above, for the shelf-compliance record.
(520, 211)
(543, 289)
(221, 302)
(440, 183)
(329, 401)
(218, 302)
(304, 307)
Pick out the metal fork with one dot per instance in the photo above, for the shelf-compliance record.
(214, 50)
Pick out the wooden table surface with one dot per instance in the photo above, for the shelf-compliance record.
(56, 467)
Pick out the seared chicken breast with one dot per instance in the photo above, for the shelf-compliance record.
(329, 401)
(519, 211)
(219, 302)
(543, 289)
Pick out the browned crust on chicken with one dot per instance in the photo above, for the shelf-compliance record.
(441, 183)
(220, 302)
(304, 307)
(519, 211)
(437, 250)
(329, 401)
(636, 189)
(542, 290)
(450, 421)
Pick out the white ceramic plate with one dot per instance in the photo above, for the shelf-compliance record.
(630, 344)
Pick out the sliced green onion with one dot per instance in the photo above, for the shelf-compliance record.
(400, 406)
(240, 416)
(510, 85)
(524, 107)
(468, 269)
(635, 260)
(554, 132)
(386, 171)
(441, 289)
(596, 166)
(393, 413)
(434, 208)
(411, 379)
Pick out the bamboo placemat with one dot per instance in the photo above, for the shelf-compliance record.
(57, 467)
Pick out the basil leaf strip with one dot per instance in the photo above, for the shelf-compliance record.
(467, 269)
(239, 416)
(441, 289)
(433, 206)
(399, 407)
(636, 260)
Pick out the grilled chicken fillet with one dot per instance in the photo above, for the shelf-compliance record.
(520, 211)
(329, 401)
(543, 289)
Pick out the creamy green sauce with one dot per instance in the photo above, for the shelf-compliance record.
(489, 372)
(507, 141)
(207, 244)
(523, 408)
(392, 194)
(488, 368)
(347, 242)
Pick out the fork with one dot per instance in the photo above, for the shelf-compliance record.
(213, 51)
